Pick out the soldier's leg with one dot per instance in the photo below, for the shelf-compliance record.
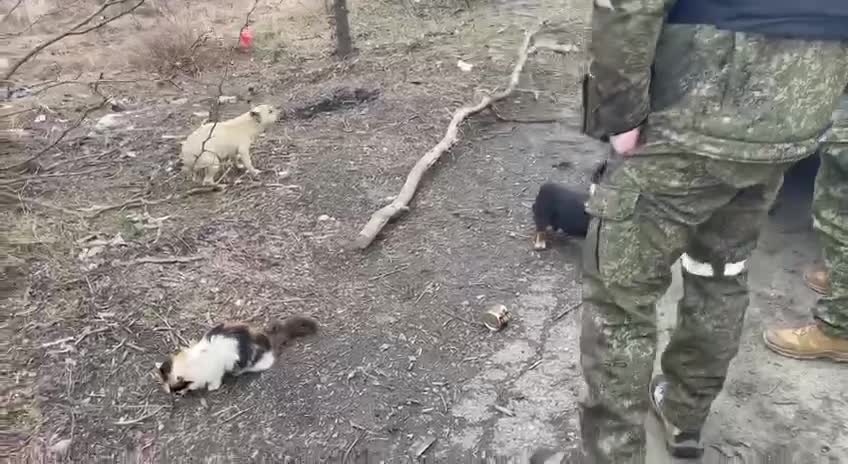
(712, 310)
(830, 213)
(828, 337)
(643, 211)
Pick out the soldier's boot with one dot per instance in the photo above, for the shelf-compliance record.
(680, 443)
(807, 342)
(818, 279)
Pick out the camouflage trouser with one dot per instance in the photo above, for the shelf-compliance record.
(830, 214)
(648, 211)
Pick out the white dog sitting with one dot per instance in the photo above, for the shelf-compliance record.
(230, 141)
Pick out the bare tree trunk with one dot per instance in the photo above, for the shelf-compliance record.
(344, 44)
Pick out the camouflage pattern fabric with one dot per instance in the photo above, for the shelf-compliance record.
(716, 93)
(648, 211)
(830, 218)
(723, 116)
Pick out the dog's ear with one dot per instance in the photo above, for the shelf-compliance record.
(256, 116)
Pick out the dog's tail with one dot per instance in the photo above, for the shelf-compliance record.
(282, 332)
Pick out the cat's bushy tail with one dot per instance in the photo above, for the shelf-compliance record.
(286, 330)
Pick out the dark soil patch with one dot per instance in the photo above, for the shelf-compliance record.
(343, 98)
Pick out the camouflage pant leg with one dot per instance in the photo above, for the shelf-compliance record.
(645, 213)
(711, 313)
(830, 213)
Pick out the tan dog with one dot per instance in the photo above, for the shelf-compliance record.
(230, 142)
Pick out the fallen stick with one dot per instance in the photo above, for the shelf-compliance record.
(57, 342)
(94, 211)
(399, 205)
(47, 176)
(567, 311)
(165, 260)
(140, 419)
(43, 204)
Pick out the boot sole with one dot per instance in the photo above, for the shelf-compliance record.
(820, 290)
(836, 357)
(816, 288)
(689, 449)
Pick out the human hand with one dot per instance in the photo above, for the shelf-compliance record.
(625, 142)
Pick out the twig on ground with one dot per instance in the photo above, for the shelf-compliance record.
(136, 347)
(81, 158)
(352, 446)
(555, 47)
(567, 311)
(56, 342)
(92, 212)
(460, 319)
(140, 419)
(165, 260)
(386, 274)
(776, 385)
(89, 332)
(221, 412)
(47, 176)
(236, 415)
(427, 289)
(170, 327)
(504, 410)
(43, 204)
(44, 86)
(117, 347)
(400, 204)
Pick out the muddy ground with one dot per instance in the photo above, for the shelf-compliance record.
(401, 367)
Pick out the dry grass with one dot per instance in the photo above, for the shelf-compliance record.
(177, 47)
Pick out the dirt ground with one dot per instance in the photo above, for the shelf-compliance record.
(401, 367)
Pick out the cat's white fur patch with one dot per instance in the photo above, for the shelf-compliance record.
(207, 361)
(264, 363)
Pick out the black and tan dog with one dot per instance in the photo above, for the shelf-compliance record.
(560, 208)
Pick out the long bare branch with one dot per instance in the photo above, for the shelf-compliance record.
(399, 206)
(78, 29)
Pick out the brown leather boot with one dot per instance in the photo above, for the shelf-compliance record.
(818, 279)
(807, 342)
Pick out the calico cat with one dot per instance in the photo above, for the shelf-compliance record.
(229, 348)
